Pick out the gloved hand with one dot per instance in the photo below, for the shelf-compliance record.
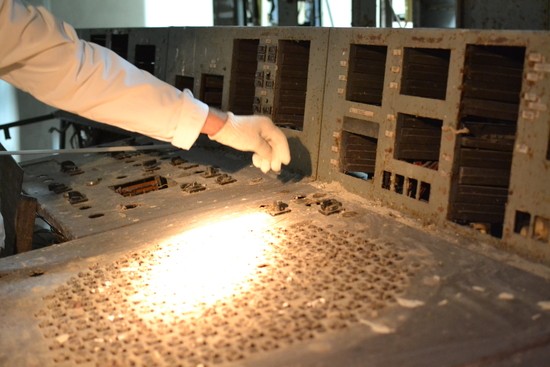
(256, 134)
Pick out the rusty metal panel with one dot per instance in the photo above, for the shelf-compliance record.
(269, 71)
(447, 121)
(144, 47)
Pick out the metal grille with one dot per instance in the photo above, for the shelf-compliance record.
(311, 281)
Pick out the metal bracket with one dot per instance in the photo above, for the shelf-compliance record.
(277, 208)
(330, 206)
(192, 187)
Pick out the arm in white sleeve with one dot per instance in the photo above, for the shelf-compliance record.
(44, 57)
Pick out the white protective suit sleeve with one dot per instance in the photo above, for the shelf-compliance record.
(44, 57)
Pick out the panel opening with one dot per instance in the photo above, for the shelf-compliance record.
(412, 186)
(488, 113)
(212, 90)
(399, 183)
(424, 194)
(541, 229)
(140, 187)
(184, 82)
(145, 57)
(119, 44)
(367, 67)
(521, 223)
(99, 39)
(418, 140)
(290, 98)
(243, 76)
(425, 72)
(386, 180)
(358, 157)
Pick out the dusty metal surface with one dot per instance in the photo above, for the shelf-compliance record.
(105, 191)
(364, 285)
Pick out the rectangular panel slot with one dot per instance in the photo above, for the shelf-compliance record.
(145, 57)
(358, 155)
(291, 84)
(99, 39)
(541, 229)
(521, 223)
(212, 90)
(425, 72)
(184, 82)
(412, 186)
(367, 67)
(386, 180)
(398, 184)
(488, 112)
(424, 194)
(418, 140)
(492, 82)
(119, 44)
(243, 74)
(142, 186)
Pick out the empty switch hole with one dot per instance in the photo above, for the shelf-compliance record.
(184, 82)
(398, 184)
(424, 194)
(386, 180)
(541, 226)
(145, 57)
(212, 90)
(412, 187)
(425, 72)
(418, 140)
(367, 66)
(99, 39)
(243, 75)
(493, 77)
(292, 78)
(358, 157)
(142, 186)
(521, 224)
(119, 44)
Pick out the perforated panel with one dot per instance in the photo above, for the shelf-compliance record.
(309, 281)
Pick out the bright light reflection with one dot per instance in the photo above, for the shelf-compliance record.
(202, 266)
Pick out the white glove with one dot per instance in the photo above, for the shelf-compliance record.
(256, 134)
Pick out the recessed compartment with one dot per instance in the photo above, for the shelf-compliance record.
(367, 67)
(142, 186)
(291, 84)
(418, 140)
(358, 148)
(119, 44)
(145, 57)
(243, 75)
(184, 82)
(99, 39)
(425, 72)
(488, 116)
(212, 90)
